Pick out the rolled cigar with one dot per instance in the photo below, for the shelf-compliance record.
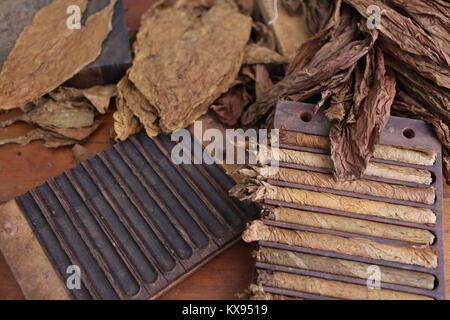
(412, 155)
(419, 256)
(258, 191)
(331, 288)
(351, 225)
(363, 186)
(257, 293)
(343, 267)
(373, 169)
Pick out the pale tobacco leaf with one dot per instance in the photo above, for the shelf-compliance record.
(56, 114)
(30, 70)
(51, 140)
(132, 106)
(182, 68)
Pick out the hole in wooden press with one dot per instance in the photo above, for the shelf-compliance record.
(409, 133)
(306, 116)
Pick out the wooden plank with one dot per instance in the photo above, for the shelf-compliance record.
(31, 266)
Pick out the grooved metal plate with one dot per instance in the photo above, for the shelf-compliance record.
(291, 116)
(132, 221)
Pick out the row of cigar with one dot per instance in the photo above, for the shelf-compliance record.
(313, 226)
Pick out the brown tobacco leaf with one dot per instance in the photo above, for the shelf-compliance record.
(317, 13)
(409, 43)
(229, 106)
(30, 70)
(353, 139)
(432, 16)
(340, 46)
(98, 96)
(255, 54)
(182, 68)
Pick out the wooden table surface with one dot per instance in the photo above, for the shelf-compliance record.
(23, 168)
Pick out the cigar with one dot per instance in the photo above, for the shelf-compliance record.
(381, 170)
(343, 267)
(351, 225)
(419, 256)
(331, 288)
(259, 191)
(381, 189)
(411, 155)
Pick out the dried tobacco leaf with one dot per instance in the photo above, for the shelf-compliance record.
(409, 43)
(255, 54)
(132, 106)
(46, 40)
(98, 96)
(56, 114)
(230, 105)
(353, 139)
(182, 68)
(55, 138)
(315, 71)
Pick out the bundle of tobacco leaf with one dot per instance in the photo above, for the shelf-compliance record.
(362, 69)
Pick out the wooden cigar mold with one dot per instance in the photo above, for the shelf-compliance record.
(133, 221)
(299, 117)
